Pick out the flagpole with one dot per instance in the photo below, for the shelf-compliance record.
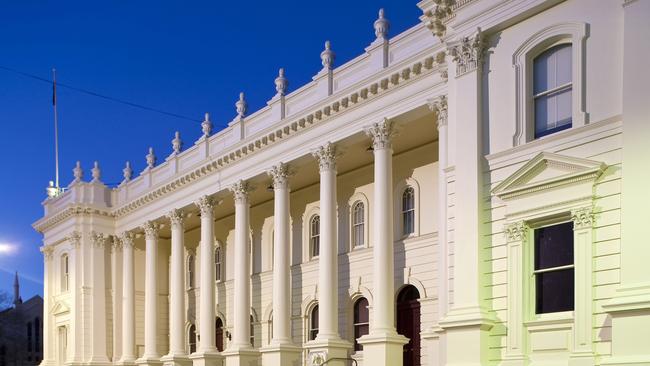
(56, 133)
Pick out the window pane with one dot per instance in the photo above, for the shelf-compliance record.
(563, 108)
(563, 64)
(554, 246)
(541, 73)
(554, 291)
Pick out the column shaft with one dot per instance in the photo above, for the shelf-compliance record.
(207, 318)
(128, 300)
(99, 333)
(241, 333)
(151, 292)
(281, 260)
(176, 296)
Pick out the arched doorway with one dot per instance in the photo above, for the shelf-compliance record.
(408, 323)
(219, 334)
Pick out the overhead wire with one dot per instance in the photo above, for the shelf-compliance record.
(98, 95)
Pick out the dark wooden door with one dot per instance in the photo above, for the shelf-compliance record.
(408, 324)
(219, 334)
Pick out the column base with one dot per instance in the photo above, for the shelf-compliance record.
(206, 358)
(281, 354)
(241, 356)
(630, 312)
(467, 332)
(126, 362)
(148, 361)
(383, 349)
(99, 361)
(176, 360)
(322, 350)
(433, 341)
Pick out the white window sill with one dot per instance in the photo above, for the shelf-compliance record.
(557, 320)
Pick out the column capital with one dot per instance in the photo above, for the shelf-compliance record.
(98, 239)
(280, 174)
(176, 217)
(240, 191)
(516, 231)
(126, 238)
(47, 252)
(583, 218)
(205, 204)
(468, 53)
(381, 134)
(151, 230)
(116, 244)
(438, 105)
(74, 238)
(326, 156)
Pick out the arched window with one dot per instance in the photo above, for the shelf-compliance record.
(408, 211)
(270, 328)
(358, 224)
(191, 271)
(219, 334)
(361, 321)
(217, 263)
(192, 338)
(313, 323)
(314, 235)
(65, 273)
(552, 90)
(252, 329)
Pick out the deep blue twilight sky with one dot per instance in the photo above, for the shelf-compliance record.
(187, 57)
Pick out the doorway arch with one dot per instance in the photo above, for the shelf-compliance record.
(408, 323)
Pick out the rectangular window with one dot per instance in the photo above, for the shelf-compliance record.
(553, 268)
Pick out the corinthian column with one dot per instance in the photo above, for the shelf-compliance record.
(281, 351)
(240, 351)
(177, 355)
(128, 301)
(99, 355)
(207, 353)
(150, 356)
(328, 343)
(383, 346)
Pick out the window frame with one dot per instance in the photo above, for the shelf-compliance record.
(65, 272)
(355, 324)
(355, 199)
(218, 263)
(573, 33)
(191, 271)
(189, 338)
(313, 237)
(404, 212)
(311, 320)
(358, 227)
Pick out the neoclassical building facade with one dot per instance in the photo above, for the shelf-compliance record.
(471, 191)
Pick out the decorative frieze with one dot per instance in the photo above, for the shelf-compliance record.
(205, 204)
(280, 175)
(381, 134)
(326, 156)
(438, 106)
(517, 231)
(468, 53)
(151, 230)
(582, 218)
(240, 191)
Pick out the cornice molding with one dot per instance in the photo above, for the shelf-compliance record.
(77, 210)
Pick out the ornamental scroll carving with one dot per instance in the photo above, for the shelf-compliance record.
(381, 134)
(240, 191)
(127, 238)
(98, 239)
(205, 205)
(582, 218)
(75, 239)
(47, 252)
(151, 230)
(326, 156)
(517, 231)
(468, 53)
(280, 175)
(435, 18)
(438, 105)
(176, 217)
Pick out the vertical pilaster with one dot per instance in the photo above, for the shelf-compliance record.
(116, 300)
(98, 334)
(281, 350)
(128, 301)
(151, 355)
(75, 346)
(467, 323)
(177, 355)
(516, 237)
(383, 346)
(241, 352)
(328, 343)
(630, 307)
(207, 353)
(48, 329)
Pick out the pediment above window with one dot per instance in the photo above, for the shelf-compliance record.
(549, 172)
(60, 308)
